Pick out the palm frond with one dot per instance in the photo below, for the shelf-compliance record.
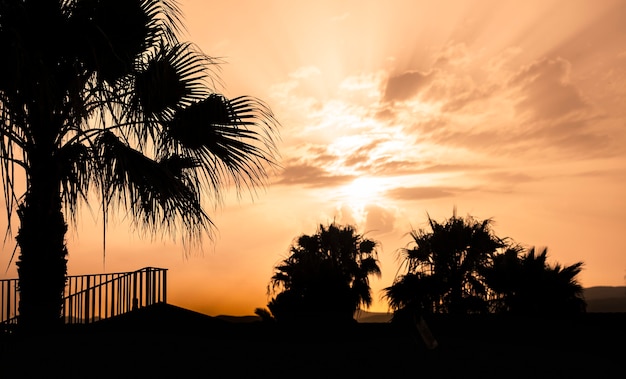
(173, 78)
(233, 140)
(75, 173)
(158, 194)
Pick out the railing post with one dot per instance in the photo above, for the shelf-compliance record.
(135, 299)
(152, 286)
(164, 286)
(86, 306)
(8, 304)
(149, 286)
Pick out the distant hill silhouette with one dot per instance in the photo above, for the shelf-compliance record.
(365, 316)
(606, 299)
(600, 299)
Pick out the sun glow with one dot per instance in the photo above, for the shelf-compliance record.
(362, 192)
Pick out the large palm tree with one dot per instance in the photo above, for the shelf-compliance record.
(101, 97)
(326, 275)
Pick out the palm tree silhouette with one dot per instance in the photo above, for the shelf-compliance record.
(326, 276)
(527, 284)
(443, 267)
(107, 100)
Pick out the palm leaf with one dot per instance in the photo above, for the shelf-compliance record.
(156, 195)
(233, 140)
(172, 78)
(75, 173)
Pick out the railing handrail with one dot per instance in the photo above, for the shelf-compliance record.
(123, 274)
(92, 297)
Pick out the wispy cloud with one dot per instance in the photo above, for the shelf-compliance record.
(379, 220)
(310, 176)
(546, 92)
(421, 193)
(406, 85)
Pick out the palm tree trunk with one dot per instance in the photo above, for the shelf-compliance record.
(42, 263)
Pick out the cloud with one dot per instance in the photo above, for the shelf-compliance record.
(421, 193)
(345, 216)
(546, 91)
(394, 166)
(574, 138)
(379, 220)
(469, 95)
(311, 176)
(362, 155)
(405, 86)
(484, 141)
(508, 177)
(446, 168)
(454, 55)
(367, 82)
(535, 111)
(319, 155)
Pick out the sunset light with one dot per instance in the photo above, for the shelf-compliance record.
(394, 111)
(359, 194)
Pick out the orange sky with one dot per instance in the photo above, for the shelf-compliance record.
(395, 110)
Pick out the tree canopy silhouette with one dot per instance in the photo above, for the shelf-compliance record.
(527, 284)
(325, 277)
(460, 266)
(443, 267)
(102, 98)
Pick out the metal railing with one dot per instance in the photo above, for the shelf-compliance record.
(94, 297)
(9, 299)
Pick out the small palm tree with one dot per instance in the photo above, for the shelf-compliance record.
(527, 284)
(326, 275)
(415, 293)
(500, 276)
(443, 267)
(101, 97)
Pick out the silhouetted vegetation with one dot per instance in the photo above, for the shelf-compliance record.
(102, 95)
(325, 277)
(527, 284)
(443, 268)
(264, 314)
(460, 267)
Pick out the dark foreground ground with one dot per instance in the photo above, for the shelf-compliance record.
(165, 341)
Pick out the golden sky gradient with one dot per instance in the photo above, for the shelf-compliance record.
(395, 110)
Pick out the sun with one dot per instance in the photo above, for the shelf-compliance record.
(362, 190)
(361, 193)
